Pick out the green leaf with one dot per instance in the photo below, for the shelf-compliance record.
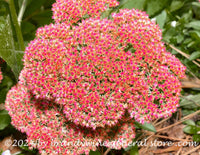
(174, 52)
(196, 138)
(179, 38)
(190, 102)
(49, 3)
(43, 17)
(27, 27)
(134, 150)
(13, 59)
(130, 4)
(7, 82)
(190, 129)
(176, 5)
(195, 24)
(95, 153)
(161, 18)
(4, 119)
(3, 93)
(196, 4)
(189, 122)
(26, 148)
(191, 44)
(5, 86)
(194, 55)
(154, 7)
(4, 8)
(6, 37)
(145, 126)
(149, 127)
(187, 17)
(198, 123)
(195, 35)
(7, 48)
(33, 6)
(169, 33)
(187, 41)
(187, 112)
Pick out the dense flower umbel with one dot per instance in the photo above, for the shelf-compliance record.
(90, 70)
(71, 11)
(89, 82)
(49, 131)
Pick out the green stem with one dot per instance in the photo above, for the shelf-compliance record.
(16, 24)
(21, 12)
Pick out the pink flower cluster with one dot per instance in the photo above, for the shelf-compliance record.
(1, 76)
(71, 11)
(89, 82)
(48, 130)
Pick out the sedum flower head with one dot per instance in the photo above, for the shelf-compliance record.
(89, 82)
(49, 131)
(71, 11)
(102, 67)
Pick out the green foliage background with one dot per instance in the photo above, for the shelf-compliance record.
(178, 19)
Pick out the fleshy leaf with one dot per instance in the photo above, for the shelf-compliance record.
(4, 119)
(7, 48)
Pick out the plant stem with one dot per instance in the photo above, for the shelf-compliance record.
(107, 151)
(16, 25)
(21, 12)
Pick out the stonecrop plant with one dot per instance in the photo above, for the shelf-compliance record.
(86, 79)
